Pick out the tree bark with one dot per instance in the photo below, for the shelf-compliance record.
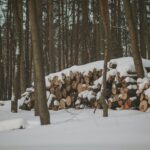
(21, 47)
(142, 19)
(7, 77)
(1, 68)
(77, 41)
(116, 50)
(38, 64)
(28, 60)
(106, 24)
(16, 82)
(51, 37)
(85, 33)
(134, 40)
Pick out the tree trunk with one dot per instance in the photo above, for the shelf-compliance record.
(16, 82)
(66, 54)
(1, 69)
(28, 59)
(134, 40)
(85, 33)
(106, 23)
(59, 46)
(116, 50)
(77, 30)
(51, 37)
(22, 53)
(62, 35)
(72, 45)
(7, 83)
(36, 105)
(38, 64)
(142, 17)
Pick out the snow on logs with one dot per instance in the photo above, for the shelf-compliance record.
(79, 90)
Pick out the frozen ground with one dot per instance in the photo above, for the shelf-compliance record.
(75, 129)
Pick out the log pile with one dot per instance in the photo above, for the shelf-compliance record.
(79, 90)
(69, 91)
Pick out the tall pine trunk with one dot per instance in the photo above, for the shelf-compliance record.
(1, 69)
(134, 40)
(85, 33)
(16, 81)
(106, 24)
(38, 64)
(51, 50)
(142, 18)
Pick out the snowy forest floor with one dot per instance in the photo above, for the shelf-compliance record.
(75, 129)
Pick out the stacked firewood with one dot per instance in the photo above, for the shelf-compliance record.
(79, 90)
(124, 94)
(143, 93)
(69, 90)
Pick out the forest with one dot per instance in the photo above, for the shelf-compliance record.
(80, 68)
(47, 36)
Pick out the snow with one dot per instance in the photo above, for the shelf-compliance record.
(124, 65)
(132, 87)
(77, 102)
(56, 103)
(133, 98)
(148, 75)
(112, 72)
(142, 83)
(50, 97)
(12, 124)
(139, 80)
(98, 95)
(98, 81)
(84, 69)
(131, 80)
(72, 129)
(87, 94)
(31, 89)
(76, 129)
(147, 92)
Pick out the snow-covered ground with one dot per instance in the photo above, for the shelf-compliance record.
(75, 129)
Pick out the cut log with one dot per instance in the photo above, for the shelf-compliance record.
(127, 104)
(64, 93)
(58, 93)
(68, 101)
(81, 87)
(74, 85)
(87, 80)
(68, 88)
(143, 105)
(62, 104)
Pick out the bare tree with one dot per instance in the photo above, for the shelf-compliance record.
(38, 64)
(142, 18)
(106, 24)
(85, 33)
(134, 39)
(16, 82)
(1, 68)
(51, 51)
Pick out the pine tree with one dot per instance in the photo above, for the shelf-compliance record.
(38, 64)
(134, 40)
